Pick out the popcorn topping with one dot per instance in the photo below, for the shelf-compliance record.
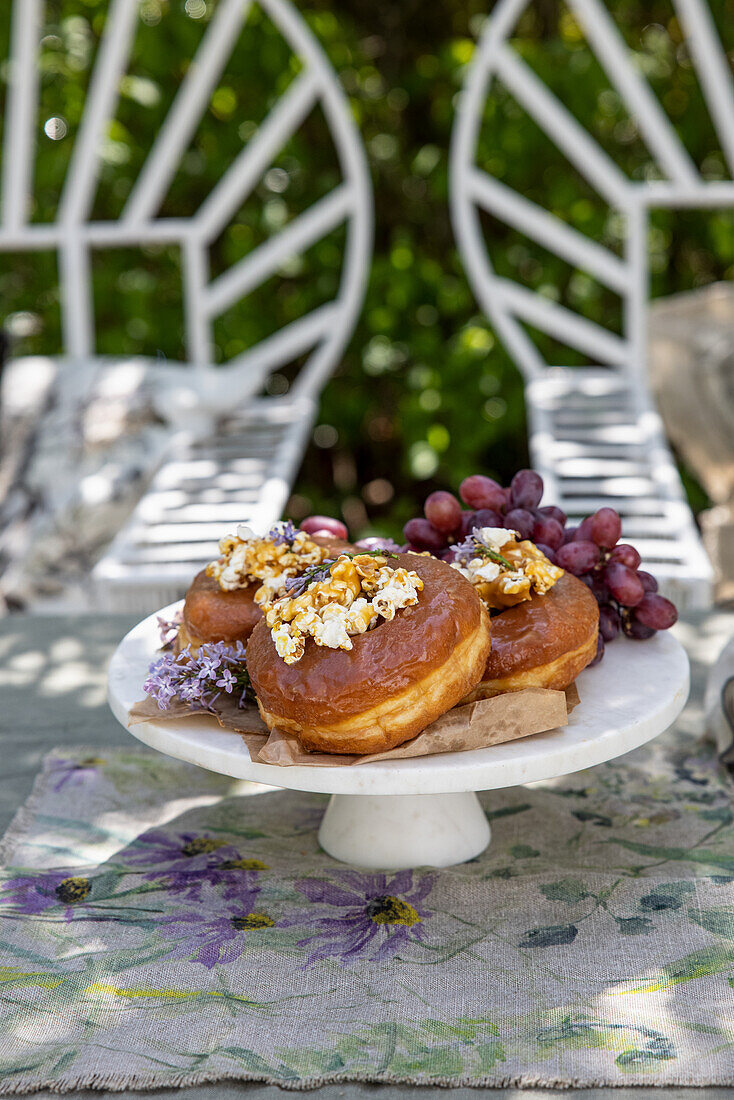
(282, 554)
(504, 571)
(331, 609)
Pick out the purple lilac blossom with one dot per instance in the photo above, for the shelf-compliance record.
(168, 628)
(282, 533)
(199, 679)
(375, 915)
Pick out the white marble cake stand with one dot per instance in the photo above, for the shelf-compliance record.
(424, 812)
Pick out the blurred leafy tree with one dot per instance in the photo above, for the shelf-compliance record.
(425, 393)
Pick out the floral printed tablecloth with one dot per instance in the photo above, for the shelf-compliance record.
(162, 925)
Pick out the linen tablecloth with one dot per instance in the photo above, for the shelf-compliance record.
(162, 925)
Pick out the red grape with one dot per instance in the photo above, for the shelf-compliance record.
(549, 532)
(449, 556)
(322, 533)
(609, 623)
(324, 524)
(596, 583)
(424, 535)
(467, 522)
(578, 557)
(443, 510)
(648, 581)
(583, 531)
(599, 652)
(626, 554)
(487, 517)
(479, 491)
(635, 629)
(548, 551)
(526, 489)
(623, 583)
(520, 520)
(656, 612)
(551, 511)
(378, 542)
(569, 534)
(605, 528)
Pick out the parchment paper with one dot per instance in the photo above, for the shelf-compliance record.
(475, 725)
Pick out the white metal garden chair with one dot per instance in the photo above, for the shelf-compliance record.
(232, 454)
(594, 433)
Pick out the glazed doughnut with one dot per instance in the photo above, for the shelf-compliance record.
(543, 642)
(397, 678)
(214, 614)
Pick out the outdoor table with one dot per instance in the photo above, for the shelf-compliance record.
(52, 685)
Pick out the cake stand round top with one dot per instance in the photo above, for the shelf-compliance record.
(636, 692)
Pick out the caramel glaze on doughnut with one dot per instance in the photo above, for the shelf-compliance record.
(543, 642)
(397, 679)
(212, 614)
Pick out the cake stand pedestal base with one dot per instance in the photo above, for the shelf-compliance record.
(392, 832)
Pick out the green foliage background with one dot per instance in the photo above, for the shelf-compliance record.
(425, 394)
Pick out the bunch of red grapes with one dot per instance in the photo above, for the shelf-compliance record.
(627, 595)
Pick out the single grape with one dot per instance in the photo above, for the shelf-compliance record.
(479, 491)
(551, 511)
(578, 557)
(623, 583)
(599, 589)
(548, 551)
(548, 531)
(520, 520)
(656, 612)
(443, 510)
(422, 534)
(583, 531)
(487, 517)
(378, 542)
(322, 533)
(605, 528)
(626, 554)
(569, 534)
(609, 623)
(599, 652)
(526, 489)
(467, 522)
(633, 628)
(648, 581)
(320, 524)
(448, 556)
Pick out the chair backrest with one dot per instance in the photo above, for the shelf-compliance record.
(320, 335)
(511, 305)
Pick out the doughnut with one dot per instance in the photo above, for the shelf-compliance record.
(394, 680)
(545, 622)
(212, 613)
(545, 641)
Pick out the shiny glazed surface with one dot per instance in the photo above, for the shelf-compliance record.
(327, 685)
(213, 615)
(542, 629)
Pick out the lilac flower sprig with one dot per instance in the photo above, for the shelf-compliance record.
(168, 628)
(296, 586)
(282, 533)
(199, 679)
(473, 547)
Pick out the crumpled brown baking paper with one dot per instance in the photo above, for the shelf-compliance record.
(476, 725)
